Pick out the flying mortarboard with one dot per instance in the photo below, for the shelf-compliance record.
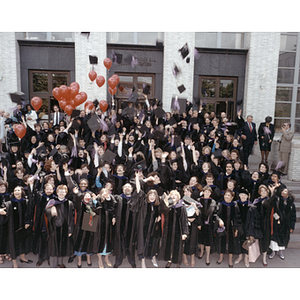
(146, 89)
(17, 97)
(181, 88)
(159, 112)
(172, 121)
(93, 60)
(108, 156)
(94, 122)
(184, 51)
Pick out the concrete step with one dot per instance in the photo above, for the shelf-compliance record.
(294, 241)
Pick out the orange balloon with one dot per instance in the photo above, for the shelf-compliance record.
(63, 103)
(56, 93)
(78, 100)
(112, 91)
(20, 131)
(117, 77)
(64, 91)
(107, 63)
(89, 105)
(69, 109)
(112, 82)
(100, 80)
(75, 84)
(74, 90)
(83, 95)
(36, 103)
(103, 105)
(92, 75)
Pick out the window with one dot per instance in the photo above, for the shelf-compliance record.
(49, 36)
(41, 85)
(218, 94)
(135, 38)
(287, 105)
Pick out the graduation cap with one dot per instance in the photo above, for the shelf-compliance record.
(116, 57)
(108, 156)
(96, 102)
(172, 121)
(94, 122)
(193, 120)
(112, 130)
(146, 89)
(75, 113)
(132, 98)
(184, 51)
(17, 97)
(142, 128)
(90, 148)
(93, 60)
(159, 112)
(181, 102)
(181, 88)
(41, 150)
(175, 70)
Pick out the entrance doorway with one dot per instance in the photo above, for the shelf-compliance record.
(41, 84)
(218, 94)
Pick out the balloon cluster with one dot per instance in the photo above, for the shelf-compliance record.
(69, 97)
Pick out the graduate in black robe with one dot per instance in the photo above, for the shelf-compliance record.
(229, 214)
(18, 211)
(208, 218)
(4, 197)
(39, 225)
(60, 225)
(175, 229)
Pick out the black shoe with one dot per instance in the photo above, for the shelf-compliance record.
(78, 266)
(70, 260)
(168, 265)
(218, 263)
(207, 263)
(116, 266)
(230, 266)
(39, 263)
(28, 261)
(62, 266)
(89, 264)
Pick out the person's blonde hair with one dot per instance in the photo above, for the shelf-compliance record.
(62, 187)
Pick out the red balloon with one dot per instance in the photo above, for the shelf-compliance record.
(20, 131)
(83, 95)
(64, 92)
(100, 80)
(103, 105)
(112, 91)
(117, 77)
(74, 90)
(78, 100)
(69, 109)
(75, 84)
(63, 103)
(36, 103)
(121, 88)
(92, 75)
(56, 93)
(72, 103)
(112, 82)
(107, 63)
(89, 105)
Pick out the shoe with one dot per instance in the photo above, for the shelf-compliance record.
(168, 265)
(207, 263)
(154, 262)
(238, 260)
(281, 254)
(28, 261)
(78, 266)
(70, 260)
(1, 259)
(185, 261)
(265, 264)
(39, 263)
(6, 256)
(62, 266)
(199, 257)
(115, 266)
(272, 254)
(218, 263)
(91, 265)
(230, 266)
(247, 265)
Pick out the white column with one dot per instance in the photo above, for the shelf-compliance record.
(173, 41)
(94, 45)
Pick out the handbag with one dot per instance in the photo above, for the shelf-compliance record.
(254, 251)
(248, 243)
(89, 222)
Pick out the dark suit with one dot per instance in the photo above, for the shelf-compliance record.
(60, 118)
(251, 137)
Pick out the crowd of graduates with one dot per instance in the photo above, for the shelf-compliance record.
(137, 183)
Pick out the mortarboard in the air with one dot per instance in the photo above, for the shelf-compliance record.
(75, 113)
(93, 59)
(53, 152)
(184, 51)
(116, 57)
(188, 60)
(40, 150)
(181, 88)
(108, 156)
(94, 122)
(146, 89)
(172, 121)
(159, 112)
(17, 97)
(175, 70)
(133, 98)
(182, 104)
(96, 103)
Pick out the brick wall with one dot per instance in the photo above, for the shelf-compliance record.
(9, 69)
(173, 41)
(94, 45)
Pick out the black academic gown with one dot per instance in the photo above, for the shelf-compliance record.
(59, 228)
(175, 225)
(4, 224)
